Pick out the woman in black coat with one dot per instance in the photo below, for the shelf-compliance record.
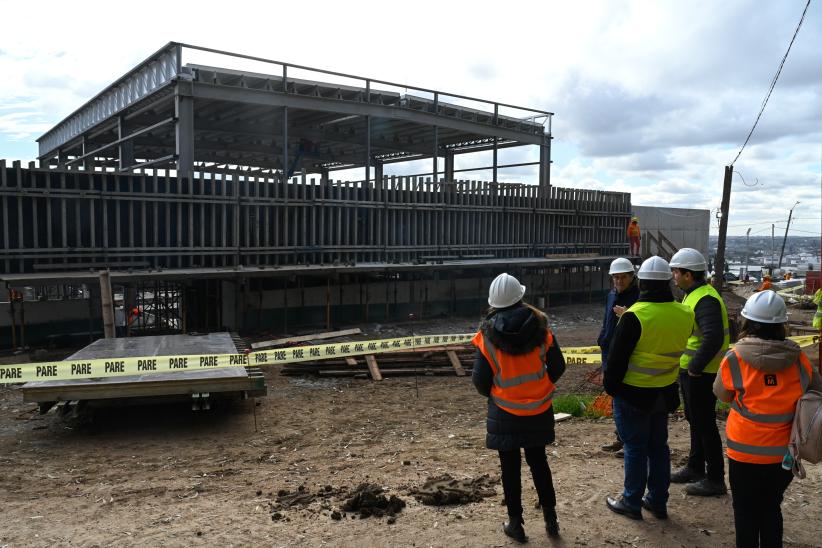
(516, 330)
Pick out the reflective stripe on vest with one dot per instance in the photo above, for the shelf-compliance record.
(695, 340)
(655, 370)
(514, 381)
(761, 450)
(523, 406)
(736, 377)
(762, 426)
(528, 400)
(665, 328)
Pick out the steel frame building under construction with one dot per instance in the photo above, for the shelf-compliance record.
(218, 181)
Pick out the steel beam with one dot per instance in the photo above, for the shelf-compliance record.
(213, 92)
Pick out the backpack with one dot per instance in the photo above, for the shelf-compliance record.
(806, 433)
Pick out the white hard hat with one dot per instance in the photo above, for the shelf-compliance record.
(505, 290)
(654, 268)
(765, 307)
(690, 259)
(621, 266)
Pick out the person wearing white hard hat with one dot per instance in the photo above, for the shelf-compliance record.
(516, 365)
(641, 375)
(763, 377)
(704, 473)
(624, 293)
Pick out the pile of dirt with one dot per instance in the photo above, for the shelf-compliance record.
(368, 500)
(444, 490)
(303, 496)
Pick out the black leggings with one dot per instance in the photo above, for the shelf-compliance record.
(757, 491)
(511, 463)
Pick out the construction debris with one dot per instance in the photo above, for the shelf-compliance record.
(368, 500)
(444, 490)
(440, 360)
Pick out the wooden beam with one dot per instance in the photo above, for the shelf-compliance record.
(455, 361)
(373, 368)
(304, 338)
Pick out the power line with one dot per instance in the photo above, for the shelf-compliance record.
(773, 83)
(805, 231)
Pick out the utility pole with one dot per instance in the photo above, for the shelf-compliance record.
(773, 247)
(747, 251)
(785, 239)
(719, 267)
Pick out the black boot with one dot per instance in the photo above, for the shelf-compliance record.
(513, 528)
(551, 524)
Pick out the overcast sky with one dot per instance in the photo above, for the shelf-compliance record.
(651, 97)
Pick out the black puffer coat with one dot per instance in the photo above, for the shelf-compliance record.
(516, 330)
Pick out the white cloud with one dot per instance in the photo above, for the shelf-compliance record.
(652, 97)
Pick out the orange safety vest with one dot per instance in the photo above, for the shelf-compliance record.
(759, 423)
(521, 383)
(633, 229)
(133, 315)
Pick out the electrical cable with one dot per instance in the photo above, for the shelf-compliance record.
(773, 83)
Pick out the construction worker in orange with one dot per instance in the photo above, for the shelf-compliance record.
(517, 363)
(766, 283)
(763, 377)
(634, 236)
(134, 313)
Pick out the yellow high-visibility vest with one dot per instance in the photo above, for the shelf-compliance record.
(666, 327)
(695, 340)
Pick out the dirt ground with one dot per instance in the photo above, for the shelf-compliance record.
(309, 462)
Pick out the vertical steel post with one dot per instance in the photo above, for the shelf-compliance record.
(435, 158)
(125, 155)
(367, 135)
(285, 149)
(184, 130)
(545, 166)
(496, 121)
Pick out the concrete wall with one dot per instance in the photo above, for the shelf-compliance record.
(46, 311)
(280, 310)
(683, 227)
(348, 300)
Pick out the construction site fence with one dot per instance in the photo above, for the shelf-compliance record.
(54, 220)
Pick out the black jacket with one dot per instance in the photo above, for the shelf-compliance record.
(516, 330)
(609, 321)
(708, 314)
(626, 337)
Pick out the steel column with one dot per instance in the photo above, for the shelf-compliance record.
(184, 129)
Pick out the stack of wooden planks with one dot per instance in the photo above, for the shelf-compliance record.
(438, 360)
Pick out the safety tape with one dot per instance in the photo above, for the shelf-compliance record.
(120, 367)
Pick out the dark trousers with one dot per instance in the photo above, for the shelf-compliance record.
(757, 491)
(511, 464)
(647, 456)
(700, 412)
